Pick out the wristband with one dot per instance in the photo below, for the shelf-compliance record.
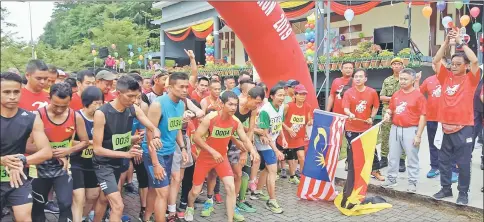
(183, 147)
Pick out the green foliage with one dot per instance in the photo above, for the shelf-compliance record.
(385, 53)
(404, 52)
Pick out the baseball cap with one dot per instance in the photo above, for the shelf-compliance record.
(300, 89)
(292, 83)
(105, 75)
(396, 59)
(61, 73)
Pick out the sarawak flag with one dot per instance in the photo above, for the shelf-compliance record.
(353, 200)
(317, 179)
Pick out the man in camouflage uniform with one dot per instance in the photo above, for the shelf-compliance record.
(389, 87)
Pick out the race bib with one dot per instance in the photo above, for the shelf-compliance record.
(220, 133)
(87, 153)
(33, 171)
(276, 128)
(63, 144)
(121, 141)
(174, 123)
(295, 119)
(4, 177)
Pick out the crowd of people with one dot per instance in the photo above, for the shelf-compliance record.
(80, 139)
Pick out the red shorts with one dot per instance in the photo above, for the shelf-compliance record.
(203, 167)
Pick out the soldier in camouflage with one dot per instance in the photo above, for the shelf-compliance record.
(389, 87)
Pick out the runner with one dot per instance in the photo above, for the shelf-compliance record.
(33, 96)
(104, 81)
(115, 120)
(242, 75)
(201, 90)
(270, 121)
(53, 75)
(85, 78)
(297, 115)
(213, 100)
(17, 125)
(218, 128)
(61, 125)
(457, 116)
(245, 86)
(229, 83)
(158, 88)
(361, 104)
(406, 111)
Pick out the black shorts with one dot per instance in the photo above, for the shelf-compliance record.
(84, 179)
(290, 153)
(108, 178)
(141, 174)
(15, 196)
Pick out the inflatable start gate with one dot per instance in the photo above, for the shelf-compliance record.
(267, 36)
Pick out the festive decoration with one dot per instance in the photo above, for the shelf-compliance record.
(340, 8)
(139, 63)
(475, 12)
(427, 11)
(140, 57)
(113, 46)
(140, 49)
(150, 57)
(116, 54)
(310, 35)
(131, 54)
(93, 52)
(342, 37)
(130, 61)
(458, 4)
(349, 14)
(464, 20)
(445, 21)
(209, 50)
(441, 5)
(130, 46)
(476, 27)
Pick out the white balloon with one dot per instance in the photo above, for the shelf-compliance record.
(445, 21)
(349, 14)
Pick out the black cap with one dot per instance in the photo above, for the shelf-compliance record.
(292, 83)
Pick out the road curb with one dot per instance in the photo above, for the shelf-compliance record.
(413, 197)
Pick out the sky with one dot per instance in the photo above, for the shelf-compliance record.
(19, 15)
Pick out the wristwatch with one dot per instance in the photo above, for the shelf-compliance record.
(23, 159)
(183, 147)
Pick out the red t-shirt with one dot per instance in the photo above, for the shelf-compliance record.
(457, 102)
(194, 95)
(108, 97)
(190, 89)
(296, 118)
(336, 91)
(190, 132)
(432, 87)
(76, 102)
(360, 104)
(407, 108)
(32, 101)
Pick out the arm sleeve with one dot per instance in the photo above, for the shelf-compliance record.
(264, 120)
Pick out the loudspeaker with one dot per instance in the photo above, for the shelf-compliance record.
(393, 38)
(103, 52)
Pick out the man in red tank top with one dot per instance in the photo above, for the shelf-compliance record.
(213, 100)
(217, 128)
(33, 94)
(200, 91)
(60, 123)
(297, 115)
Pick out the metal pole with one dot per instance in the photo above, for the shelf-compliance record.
(162, 49)
(216, 37)
(328, 26)
(316, 40)
(31, 34)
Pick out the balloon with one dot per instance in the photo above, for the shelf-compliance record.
(308, 30)
(131, 54)
(93, 52)
(349, 14)
(464, 20)
(310, 44)
(342, 37)
(130, 46)
(139, 63)
(150, 57)
(312, 40)
(475, 12)
(95, 58)
(310, 58)
(311, 18)
(117, 61)
(445, 21)
(113, 46)
(476, 27)
(466, 1)
(441, 5)
(116, 54)
(139, 49)
(427, 11)
(130, 61)
(306, 26)
(209, 38)
(458, 4)
(140, 57)
(311, 26)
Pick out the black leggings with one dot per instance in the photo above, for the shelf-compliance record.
(141, 174)
(187, 183)
(40, 192)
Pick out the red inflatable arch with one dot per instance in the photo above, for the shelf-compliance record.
(269, 40)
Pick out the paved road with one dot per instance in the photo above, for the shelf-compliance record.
(299, 210)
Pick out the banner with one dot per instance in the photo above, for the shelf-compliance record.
(353, 200)
(317, 178)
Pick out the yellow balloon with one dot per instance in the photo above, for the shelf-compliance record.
(117, 61)
(427, 11)
(140, 57)
(93, 52)
(312, 17)
(209, 38)
(464, 20)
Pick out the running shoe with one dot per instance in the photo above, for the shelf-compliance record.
(171, 218)
(237, 215)
(141, 215)
(433, 173)
(377, 175)
(189, 214)
(462, 199)
(51, 207)
(246, 207)
(284, 173)
(207, 208)
(218, 198)
(273, 206)
(129, 187)
(294, 180)
(389, 183)
(259, 195)
(443, 193)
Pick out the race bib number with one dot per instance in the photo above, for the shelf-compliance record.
(219, 133)
(174, 123)
(87, 153)
(63, 144)
(121, 141)
(277, 127)
(4, 177)
(33, 171)
(295, 119)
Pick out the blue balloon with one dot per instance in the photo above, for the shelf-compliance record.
(139, 62)
(312, 40)
(306, 34)
(130, 46)
(207, 49)
(308, 30)
(139, 49)
(466, 1)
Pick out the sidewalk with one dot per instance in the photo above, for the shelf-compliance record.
(429, 187)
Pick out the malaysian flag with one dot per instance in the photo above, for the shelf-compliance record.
(322, 157)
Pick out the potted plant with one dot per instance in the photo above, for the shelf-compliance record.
(334, 61)
(386, 57)
(375, 61)
(322, 62)
(405, 55)
(365, 59)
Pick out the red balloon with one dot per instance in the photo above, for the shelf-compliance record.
(306, 26)
(280, 41)
(311, 26)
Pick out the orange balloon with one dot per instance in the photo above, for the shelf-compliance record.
(427, 11)
(464, 20)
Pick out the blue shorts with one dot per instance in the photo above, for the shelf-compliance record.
(268, 157)
(166, 162)
(123, 168)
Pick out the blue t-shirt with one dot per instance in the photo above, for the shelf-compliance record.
(170, 124)
(237, 91)
(136, 126)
